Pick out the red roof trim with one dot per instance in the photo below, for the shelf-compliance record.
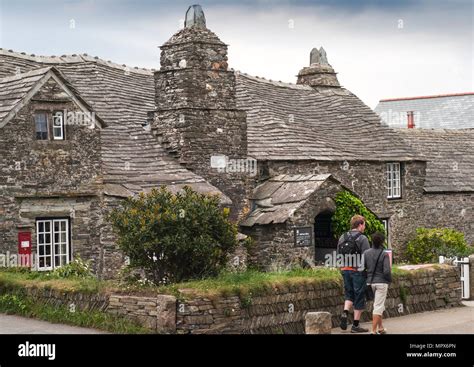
(427, 97)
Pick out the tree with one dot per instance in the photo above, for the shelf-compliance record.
(174, 237)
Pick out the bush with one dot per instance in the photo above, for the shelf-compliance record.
(173, 238)
(348, 205)
(77, 268)
(429, 244)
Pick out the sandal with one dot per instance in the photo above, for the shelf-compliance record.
(382, 331)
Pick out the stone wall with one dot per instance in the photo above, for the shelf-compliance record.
(74, 301)
(274, 245)
(156, 313)
(50, 178)
(282, 311)
(449, 210)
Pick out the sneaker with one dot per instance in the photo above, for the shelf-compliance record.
(343, 321)
(358, 329)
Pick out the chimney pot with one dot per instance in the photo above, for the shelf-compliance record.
(195, 17)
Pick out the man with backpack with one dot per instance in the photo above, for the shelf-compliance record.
(352, 245)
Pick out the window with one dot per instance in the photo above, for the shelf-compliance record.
(41, 126)
(58, 126)
(393, 181)
(52, 243)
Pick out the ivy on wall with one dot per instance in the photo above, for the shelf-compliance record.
(348, 205)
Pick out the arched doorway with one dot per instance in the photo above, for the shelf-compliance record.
(324, 240)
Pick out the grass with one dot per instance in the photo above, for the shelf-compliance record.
(20, 304)
(228, 283)
(23, 278)
(252, 282)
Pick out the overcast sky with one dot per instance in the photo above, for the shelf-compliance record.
(381, 49)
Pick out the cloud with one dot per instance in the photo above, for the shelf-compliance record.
(380, 49)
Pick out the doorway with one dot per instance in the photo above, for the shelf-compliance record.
(324, 240)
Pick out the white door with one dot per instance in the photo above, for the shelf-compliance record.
(52, 243)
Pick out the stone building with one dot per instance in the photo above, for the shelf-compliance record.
(79, 134)
(447, 111)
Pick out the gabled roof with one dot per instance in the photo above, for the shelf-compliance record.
(298, 122)
(278, 198)
(450, 156)
(133, 159)
(17, 90)
(449, 111)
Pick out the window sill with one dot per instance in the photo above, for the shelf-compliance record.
(396, 199)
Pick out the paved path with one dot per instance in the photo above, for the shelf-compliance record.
(10, 324)
(459, 320)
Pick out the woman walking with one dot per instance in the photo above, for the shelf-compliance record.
(379, 276)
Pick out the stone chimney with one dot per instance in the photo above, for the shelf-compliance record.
(197, 120)
(319, 74)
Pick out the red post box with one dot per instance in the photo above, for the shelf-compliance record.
(24, 249)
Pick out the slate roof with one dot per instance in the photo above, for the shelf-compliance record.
(133, 159)
(450, 156)
(285, 122)
(279, 197)
(13, 90)
(451, 111)
(296, 122)
(17, 89)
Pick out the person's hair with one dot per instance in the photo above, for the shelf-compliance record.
(378, 239)
(356, 221)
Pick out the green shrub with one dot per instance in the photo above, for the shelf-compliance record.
(348, 205)
(77, 268)
(174, 237)
(429, 244)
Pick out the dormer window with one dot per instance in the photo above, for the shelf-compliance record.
(58, 125)
(41, 126)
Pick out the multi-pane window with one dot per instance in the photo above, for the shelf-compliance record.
(41, 126)
(394, 190)
(58, 126)
(52, 243)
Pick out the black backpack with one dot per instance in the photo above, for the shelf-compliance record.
(349, 245)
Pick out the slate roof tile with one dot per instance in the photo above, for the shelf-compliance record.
(295, 122)
(455, 111)
(122, 97)
(449, 155)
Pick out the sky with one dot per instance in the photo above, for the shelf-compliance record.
(380, 49)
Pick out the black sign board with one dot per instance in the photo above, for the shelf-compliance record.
(303, 236)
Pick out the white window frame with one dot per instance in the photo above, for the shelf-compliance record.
(386, 224)
(58, 116)
(62, 242)
(394, 180)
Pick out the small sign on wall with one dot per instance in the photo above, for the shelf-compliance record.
(303, 236)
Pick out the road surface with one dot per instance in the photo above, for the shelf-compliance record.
(10, 324)
(458, 320)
